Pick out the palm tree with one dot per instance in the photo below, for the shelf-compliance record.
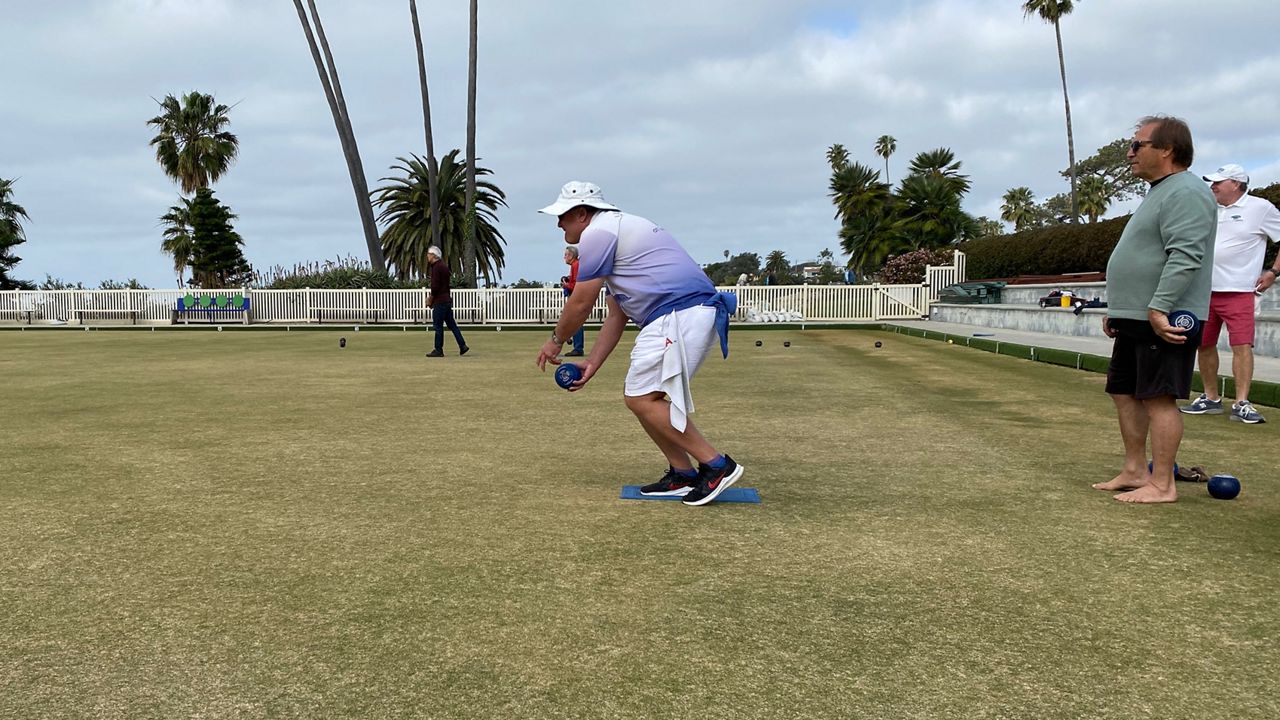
(192, 145)
(856, 190)
(1018, 207)
(942, 163)
(870, 240)
(1094, 197)
(886, 145)
(776, 266)
(838, 157)
(11, 235)
(432, 167)
(346, 136)
(178, 239)
(409, 225)
(469, 247)
(11, 213)
(1052, 11)
(929, 212)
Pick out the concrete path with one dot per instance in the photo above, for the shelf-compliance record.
(1264, 368)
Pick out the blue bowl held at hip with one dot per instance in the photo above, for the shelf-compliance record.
(1185, 320)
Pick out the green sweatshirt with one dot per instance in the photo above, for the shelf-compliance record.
(1164, 259)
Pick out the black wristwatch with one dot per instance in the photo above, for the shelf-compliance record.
(555, 339)
(1273, 271)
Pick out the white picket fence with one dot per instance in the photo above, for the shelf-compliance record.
(939, 277)
(778, 303)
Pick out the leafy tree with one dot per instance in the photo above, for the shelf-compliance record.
(1055, 209)
(1052, 11)
(178, 241)
(53, 283)
(728, 272)
(341, 274)
(328, 73)
(886, 145)
(130, 284)
(217, 260)
(1018, 207)
(192, 144)
(908, 268)
(1111, 164)
(986, 227)
(828, 272)
(523, 284)
(405, 214)
(11, 235)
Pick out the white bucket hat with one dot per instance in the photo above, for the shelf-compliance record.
(1228, 172)
(576, 193)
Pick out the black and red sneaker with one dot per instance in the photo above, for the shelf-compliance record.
(713, 481)
(673, 484)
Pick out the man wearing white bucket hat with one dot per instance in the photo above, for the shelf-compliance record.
(1245, 223)
(650, 279)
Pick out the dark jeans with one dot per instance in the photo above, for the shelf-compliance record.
(578, 336)
(441, 315)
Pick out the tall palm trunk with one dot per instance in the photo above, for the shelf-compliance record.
(1071, 143)
(338, 106)
(469, 246)
(433, 170)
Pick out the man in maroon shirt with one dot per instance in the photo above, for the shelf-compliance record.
(567, 284)
(441, 304)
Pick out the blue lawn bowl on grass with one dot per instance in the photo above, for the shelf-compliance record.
(1185, 320)
(568, 374)
(1224, 487)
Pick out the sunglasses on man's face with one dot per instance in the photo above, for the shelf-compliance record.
(1136, 145)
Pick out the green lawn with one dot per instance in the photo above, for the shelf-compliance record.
(263, 525)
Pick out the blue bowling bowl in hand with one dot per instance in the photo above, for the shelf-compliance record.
(567, 374)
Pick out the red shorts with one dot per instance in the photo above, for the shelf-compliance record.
(1236, 310)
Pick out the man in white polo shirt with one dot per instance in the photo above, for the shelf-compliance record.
(1244, 223)
(652, 280)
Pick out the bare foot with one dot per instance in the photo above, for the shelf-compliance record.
(1149, 494)
(1124, 481)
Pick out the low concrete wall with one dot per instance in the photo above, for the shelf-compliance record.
(1031, 294)
(1063, 321)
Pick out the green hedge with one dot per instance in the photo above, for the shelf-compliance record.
(1061, 249)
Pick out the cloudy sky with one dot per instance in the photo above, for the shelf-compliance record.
(710, 117)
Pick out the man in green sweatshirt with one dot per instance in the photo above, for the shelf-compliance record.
(1163, 262)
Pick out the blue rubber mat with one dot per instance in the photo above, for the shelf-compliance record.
(733, 494)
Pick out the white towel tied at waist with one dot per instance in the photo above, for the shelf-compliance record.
(675, 377)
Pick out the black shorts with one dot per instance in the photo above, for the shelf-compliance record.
(1144, 366)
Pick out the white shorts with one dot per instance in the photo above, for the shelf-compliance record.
(667, 353)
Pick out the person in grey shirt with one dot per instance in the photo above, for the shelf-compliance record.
(1162, 262)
